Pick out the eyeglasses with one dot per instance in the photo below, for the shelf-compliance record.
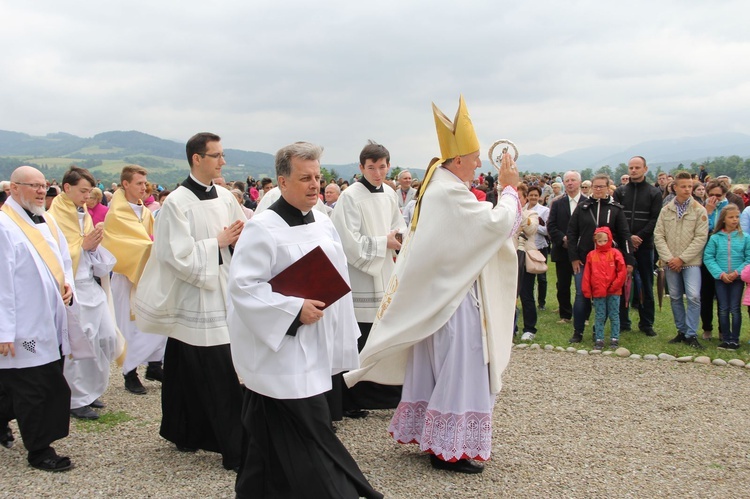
(215, 155)
(36, 187)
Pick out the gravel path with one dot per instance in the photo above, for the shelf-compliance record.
(566, 425)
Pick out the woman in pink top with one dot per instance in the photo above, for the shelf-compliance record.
(96, 209)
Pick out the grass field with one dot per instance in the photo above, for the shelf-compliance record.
(549, 332)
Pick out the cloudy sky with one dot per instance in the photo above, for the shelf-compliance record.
(551, 76)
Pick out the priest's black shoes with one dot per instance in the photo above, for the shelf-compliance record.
(133, 383)
(6, 437)
(356, 413)
(98, 404)
(460, 466)
(154, 372)
(54, 463)
(84, 412)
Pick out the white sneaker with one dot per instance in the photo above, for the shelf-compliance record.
(528, 336)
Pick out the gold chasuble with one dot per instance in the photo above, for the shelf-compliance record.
(66, 216)
(127, 237)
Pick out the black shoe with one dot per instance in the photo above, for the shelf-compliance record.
(133, 383)
(723, 345)
(84, 412)
(599, 345)
(733, 346)
(680, 338)
(356, 414)
(54, 463)
(460, 466)
(98, 404)
(614, 344)
(6, 437)
(154, 372)
(648, 331)
(693, 342)
(576, 338)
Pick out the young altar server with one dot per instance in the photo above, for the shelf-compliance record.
(88, 378)
(182, 295)
(286, 348)
(128, 235)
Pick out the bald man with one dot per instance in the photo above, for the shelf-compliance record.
(33, 333)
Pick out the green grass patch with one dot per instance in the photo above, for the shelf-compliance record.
(549, 332)
(106, 421)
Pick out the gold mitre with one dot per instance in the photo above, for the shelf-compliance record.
(457, 138)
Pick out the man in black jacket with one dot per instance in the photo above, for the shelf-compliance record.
(642, 204)
(557, 228)
(600, 210)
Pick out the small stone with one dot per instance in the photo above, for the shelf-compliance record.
(736, 363)
(595, 352)
(719, 362)
(635, 356)
(550, 347)
(559, 349)
(522, 346)
(608, 353)
(622, 352)
(571, 349)
(535, 346)
(582, 352)
(666, 356)
(688, 358)
(650, 356)
(702, 360)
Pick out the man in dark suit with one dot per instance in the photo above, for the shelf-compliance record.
(557, 227)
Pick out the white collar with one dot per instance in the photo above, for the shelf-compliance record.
(208, 187)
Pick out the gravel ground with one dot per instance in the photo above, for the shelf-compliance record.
(566, 425)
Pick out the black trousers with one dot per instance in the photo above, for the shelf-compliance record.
(366, 394)
(564, 272)
(201, 400)
(291, 451)
(39, 399)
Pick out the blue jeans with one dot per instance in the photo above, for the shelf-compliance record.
(687, 282)
(609, 306)
(729, 298)
(581, 306)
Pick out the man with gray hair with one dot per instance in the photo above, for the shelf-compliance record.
(332, 193)
(557, 227)
(286, 348)
(405, 191)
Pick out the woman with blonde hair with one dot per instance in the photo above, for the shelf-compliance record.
(94, 204)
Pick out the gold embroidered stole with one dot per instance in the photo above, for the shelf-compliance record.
(65, 213)
(40, 244)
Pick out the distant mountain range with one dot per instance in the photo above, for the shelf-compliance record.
(105, 154)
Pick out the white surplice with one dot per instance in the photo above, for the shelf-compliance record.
(183, 288)
(88, 378)
(364, 219)
(271, 362)
(34, 316)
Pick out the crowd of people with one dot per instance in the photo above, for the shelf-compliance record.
(689, 227)
(269, 310)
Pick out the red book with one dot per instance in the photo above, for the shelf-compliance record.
(313, 277)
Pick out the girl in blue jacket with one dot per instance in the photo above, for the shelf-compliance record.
(726, 254)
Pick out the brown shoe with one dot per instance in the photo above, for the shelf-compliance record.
(707, 335)
(564, 321)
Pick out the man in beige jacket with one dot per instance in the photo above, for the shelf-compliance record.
(680, 236)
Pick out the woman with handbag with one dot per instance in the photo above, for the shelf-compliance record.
(528, 262)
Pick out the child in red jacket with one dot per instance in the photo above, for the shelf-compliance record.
(603, 278)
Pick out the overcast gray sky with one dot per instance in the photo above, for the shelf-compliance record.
(550, 75)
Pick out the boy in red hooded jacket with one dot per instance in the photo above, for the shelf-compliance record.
(603, 278)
